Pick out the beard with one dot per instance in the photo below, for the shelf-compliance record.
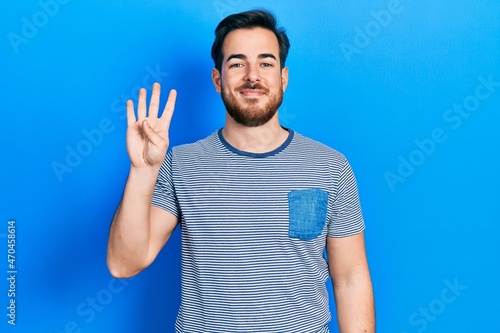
(251, 115)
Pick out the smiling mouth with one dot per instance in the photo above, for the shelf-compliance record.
(252, 92)
(251, 89)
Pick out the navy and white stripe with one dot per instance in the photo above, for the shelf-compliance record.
(241, 271)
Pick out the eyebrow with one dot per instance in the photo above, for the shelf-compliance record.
(244, 57)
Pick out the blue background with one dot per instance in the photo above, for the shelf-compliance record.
(373, 89)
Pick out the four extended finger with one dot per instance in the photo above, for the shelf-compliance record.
(155, 101)
(141, 107)
(130, 113)
(166, 117)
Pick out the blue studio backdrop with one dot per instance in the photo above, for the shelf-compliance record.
(409, 91)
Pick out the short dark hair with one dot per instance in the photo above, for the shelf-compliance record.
(248, 20)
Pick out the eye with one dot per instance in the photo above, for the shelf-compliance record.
(235, 65)
(266, 64)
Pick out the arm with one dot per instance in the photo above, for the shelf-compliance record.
(138, 230)
(352, 285)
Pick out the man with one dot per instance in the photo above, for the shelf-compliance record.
(257, 203)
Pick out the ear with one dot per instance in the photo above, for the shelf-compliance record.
(284, 78)
(216, 80)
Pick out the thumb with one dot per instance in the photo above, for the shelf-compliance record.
(153, 136)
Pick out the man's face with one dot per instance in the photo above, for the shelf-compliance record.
(251, 82)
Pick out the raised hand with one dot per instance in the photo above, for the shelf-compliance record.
(147, 135)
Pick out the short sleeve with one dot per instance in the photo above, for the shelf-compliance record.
(164, 193)
(346, 218)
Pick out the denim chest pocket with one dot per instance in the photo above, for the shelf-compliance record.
(307, 211)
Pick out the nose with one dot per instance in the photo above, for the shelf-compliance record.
(252, 74)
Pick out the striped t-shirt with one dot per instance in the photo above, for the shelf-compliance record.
(254, 230)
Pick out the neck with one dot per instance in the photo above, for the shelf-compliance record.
(260, 139)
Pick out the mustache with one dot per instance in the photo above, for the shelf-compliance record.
(249, 85)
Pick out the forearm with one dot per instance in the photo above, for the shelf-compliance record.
(355, 306)
(129, 235)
